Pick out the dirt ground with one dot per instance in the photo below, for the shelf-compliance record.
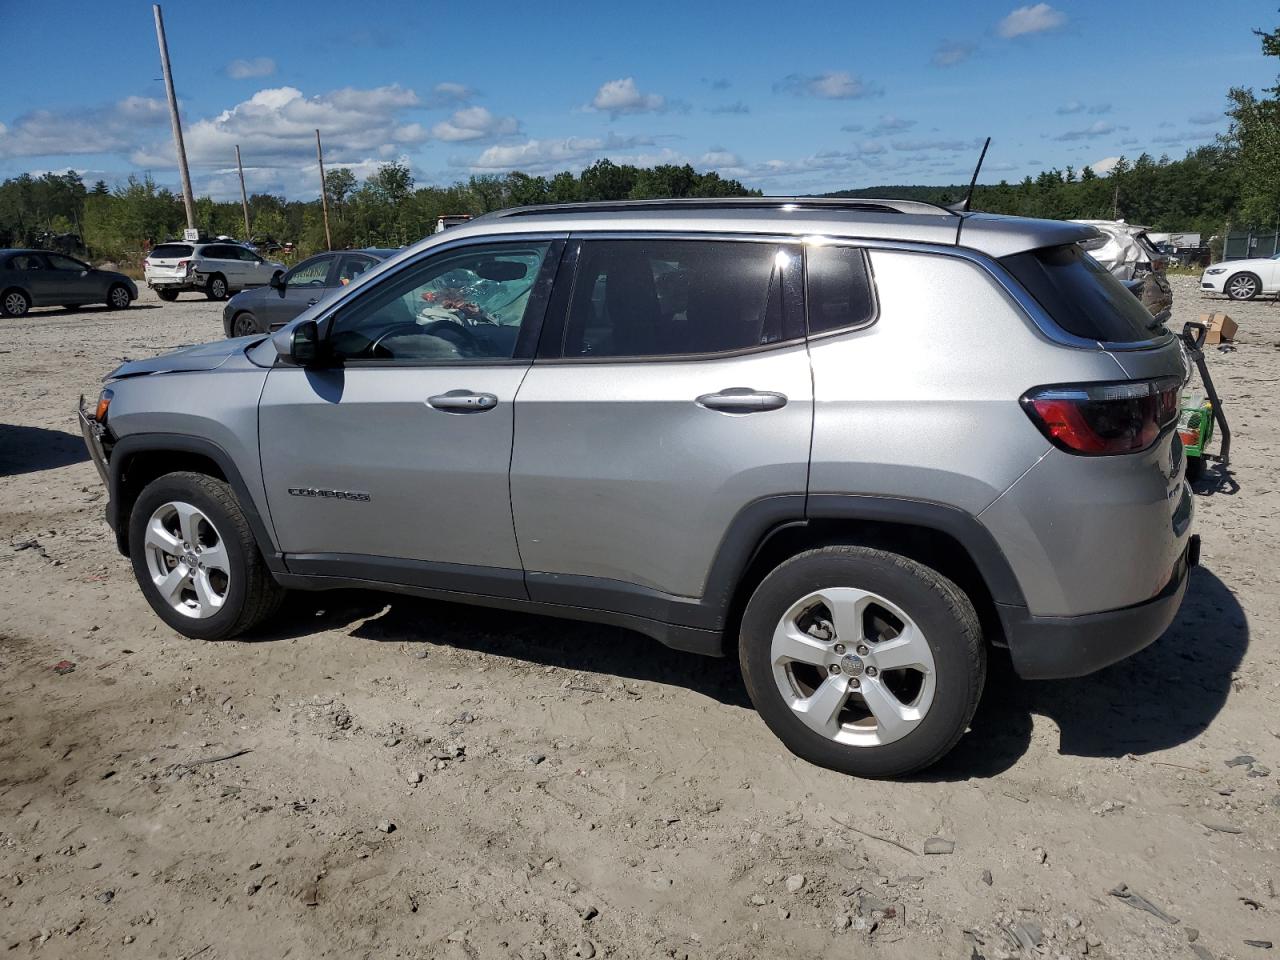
(561, 790)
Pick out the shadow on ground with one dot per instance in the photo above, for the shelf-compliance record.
(31, 449)
(1157, 699)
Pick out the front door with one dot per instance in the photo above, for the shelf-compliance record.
(73, 281)
(304, 285)
(679, 395)
(392, 463)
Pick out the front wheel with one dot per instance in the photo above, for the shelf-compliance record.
(217, 288)
(245, 324)
(118, 297)
(1243, 286)
(862, 661)
(196, 559)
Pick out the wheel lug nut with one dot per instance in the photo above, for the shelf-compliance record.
(855, 682)
(839, 648)
(872, 671)
(862, 650)
(833, 669)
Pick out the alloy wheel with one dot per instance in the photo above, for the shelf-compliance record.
(119, 297)
(15, 304)
(853, 667)
(187, 560)
(1243, 288)
(219, 288)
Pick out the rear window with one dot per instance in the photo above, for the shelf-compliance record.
(1082, 297)
(170, 251)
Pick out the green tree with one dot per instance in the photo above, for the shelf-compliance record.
(1255, 134)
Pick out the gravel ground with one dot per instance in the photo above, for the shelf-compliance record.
(415, 779)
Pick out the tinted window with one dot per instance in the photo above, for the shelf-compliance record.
(309, 272)
(59, 262)
(351, 266)
(170, 251)
(467, 304)
(635, 298)
(27, 261)
(219, 251)
(838, 288)
(244, 253)
(1082, 297)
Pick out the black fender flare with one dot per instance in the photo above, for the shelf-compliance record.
(129, 446)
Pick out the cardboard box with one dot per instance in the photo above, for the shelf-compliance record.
(1221, 327)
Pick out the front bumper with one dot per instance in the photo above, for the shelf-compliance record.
(1048, 648)
(93, 432)
(1214, 284)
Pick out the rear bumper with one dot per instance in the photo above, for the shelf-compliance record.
(1048, 648)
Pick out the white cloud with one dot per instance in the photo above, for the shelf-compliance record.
(1099, 128)
(1028, 20)
(543, 156)
(276, 127)
(720, 159)
(106, 129)
(245, 69)
(474, 123)
(890, 123)
(448, 94)
(830, 85)
(1105, 165)
(952, 52)
(930, 146)
(618, 97)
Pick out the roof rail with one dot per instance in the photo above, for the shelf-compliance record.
(832, 204)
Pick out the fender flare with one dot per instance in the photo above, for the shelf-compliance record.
(128, 446)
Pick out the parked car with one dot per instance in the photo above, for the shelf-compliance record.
(42, 278)
(287, 295)
(217, 269)
(1243, 279)
(1132, 256)
(743, 427)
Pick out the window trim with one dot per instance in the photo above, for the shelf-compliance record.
(551, 347)
(526, 340)
(871, 281)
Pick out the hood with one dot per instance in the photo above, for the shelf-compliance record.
(206, 356)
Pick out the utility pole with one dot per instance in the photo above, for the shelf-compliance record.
(187, 198)
(324, 199)
(1115, 203)
(244, 200)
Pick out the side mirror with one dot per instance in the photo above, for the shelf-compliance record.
(277, 280)
(302, 344)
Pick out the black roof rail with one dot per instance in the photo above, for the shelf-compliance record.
(831, 204)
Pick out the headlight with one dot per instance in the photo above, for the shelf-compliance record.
(1214, 271)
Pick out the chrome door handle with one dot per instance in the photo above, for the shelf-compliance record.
(742, 400)
(463, 401)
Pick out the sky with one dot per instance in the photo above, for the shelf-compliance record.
(789, 98)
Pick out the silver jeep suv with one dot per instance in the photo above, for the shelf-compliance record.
(855, 444)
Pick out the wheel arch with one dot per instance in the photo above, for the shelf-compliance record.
(138, 459)
(945, 538)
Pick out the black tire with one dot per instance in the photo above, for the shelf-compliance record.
(15, 303)
(1243, 286)
(244, 324)
(941, 610)
(1195, 468)
(118, 297)
(216, 288)
(252, 594)
(168, 296)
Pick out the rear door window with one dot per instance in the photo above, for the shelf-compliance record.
(838, 288)
(170, 251)
(1082, 297)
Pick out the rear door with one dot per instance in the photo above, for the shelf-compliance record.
(36, 276)
(350, 266)
(221, 258)
(672, 392)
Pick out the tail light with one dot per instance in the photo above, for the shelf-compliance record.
(1100, 419)
(184, 265)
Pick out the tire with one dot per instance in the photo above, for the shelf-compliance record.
(14, 303)
(168, 296)
(1195, 468)
(244, 324)
(118, 297)
(235, 591)
(217, 287)
(908, 606)
(1243, 286)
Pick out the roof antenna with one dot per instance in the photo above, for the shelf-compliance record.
(963, 205)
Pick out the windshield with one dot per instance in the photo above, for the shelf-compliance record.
(1081, 296)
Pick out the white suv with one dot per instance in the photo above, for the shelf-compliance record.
(219, 269)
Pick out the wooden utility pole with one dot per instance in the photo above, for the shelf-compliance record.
(187, 199)
(244, 200)
(324, 198)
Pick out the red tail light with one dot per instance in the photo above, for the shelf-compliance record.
(1098, 419)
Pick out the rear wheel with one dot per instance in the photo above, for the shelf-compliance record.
(1244, 286)
(196, 559)
(217, 288)
(14, 303)
(245, 324)
(862, 661)
(168, 296)
(118, 297)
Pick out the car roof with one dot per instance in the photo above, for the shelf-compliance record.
(910, 221)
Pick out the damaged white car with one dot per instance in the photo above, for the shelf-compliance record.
(1133, 258)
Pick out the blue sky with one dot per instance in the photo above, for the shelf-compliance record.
(790, 98)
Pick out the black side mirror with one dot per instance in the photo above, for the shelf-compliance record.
(306, 348)
(277, 280)
(1193, 334)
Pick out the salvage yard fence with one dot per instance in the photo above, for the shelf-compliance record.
(1243, 245)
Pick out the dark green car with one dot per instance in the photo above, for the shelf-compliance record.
(42, 278)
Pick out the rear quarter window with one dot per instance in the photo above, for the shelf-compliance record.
(838, 288)
(170, 251)
(1082, 297)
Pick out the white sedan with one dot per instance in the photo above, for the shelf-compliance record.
(1243, 279)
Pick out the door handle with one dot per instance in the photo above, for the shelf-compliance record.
(742, 400)
(463, 401)
(313, 301)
